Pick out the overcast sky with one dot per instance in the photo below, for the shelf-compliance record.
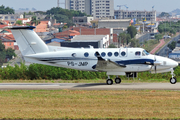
(160, 5)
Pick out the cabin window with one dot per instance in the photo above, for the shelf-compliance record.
(138, 53)
(116, 54)
(86, 54)
(103, 54)
(109, 54)
(123, 53)
(95, 55)
(74, 55)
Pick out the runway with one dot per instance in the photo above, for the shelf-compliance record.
(89, 86)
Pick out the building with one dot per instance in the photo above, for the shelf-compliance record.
(38, 16)
(66, 34)
(8, 43)
(175, 54)
(114, 23)
(24, 20)
(138, 15)
(97, 41)
(96, 8)
(84, 21)
(10, 17)
(81, 5)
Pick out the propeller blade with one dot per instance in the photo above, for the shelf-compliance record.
(151, 68)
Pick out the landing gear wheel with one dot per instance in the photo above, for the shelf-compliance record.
(109, 82)
(173, 80)
(117, 80)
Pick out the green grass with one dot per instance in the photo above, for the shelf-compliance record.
(150, 45)
(82, 104)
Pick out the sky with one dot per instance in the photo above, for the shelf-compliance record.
(43, 5)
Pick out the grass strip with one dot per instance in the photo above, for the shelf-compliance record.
(83, 104)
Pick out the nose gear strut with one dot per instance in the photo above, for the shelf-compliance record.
(173, 79)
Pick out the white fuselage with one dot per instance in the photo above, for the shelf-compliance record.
(85, 59)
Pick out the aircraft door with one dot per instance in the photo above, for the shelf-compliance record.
(123, 52)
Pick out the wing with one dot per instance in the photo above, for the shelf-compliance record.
(106, 64)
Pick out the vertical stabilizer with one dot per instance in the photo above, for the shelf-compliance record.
(28, 41)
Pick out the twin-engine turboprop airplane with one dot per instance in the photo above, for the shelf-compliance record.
(116, 61)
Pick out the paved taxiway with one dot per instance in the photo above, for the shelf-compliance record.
(89, 86)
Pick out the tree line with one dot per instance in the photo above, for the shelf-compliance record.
(38, 72)
(6, 10)
(169, 27)
(60, 14)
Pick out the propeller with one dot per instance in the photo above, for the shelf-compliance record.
(155, 64)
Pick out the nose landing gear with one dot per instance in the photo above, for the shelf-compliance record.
(110, 81)
(173, 79)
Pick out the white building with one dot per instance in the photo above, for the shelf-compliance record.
(139, 15)
(114, 23)
(10, 17)
(83, 20)
(96, 8)
(24, 20)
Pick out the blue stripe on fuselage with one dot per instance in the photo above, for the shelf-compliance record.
(135, 61)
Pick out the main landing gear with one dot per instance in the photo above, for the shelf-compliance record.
(110, 81)
(173, 79)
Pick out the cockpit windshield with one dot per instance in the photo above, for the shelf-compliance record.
(145, 53)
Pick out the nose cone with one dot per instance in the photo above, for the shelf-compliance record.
(171, 63)
(167, 62)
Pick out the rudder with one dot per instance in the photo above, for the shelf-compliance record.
(28, 41)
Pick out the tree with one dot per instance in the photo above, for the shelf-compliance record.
(112, 46)
(63, 15)
(10, 53)
(172, 45)
(64, 19)
(65, 26)
(135, 43)
(164, 14)
(40, 12)
(158, 37)
(27, 24)
(124, 38)
(35, 21)
(19, 22)
(6, 10)
(173, 31)
(2, 53)
(132, 31)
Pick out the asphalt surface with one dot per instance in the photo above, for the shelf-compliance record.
(89, 86)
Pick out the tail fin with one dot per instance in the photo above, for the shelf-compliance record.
(28, 41)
